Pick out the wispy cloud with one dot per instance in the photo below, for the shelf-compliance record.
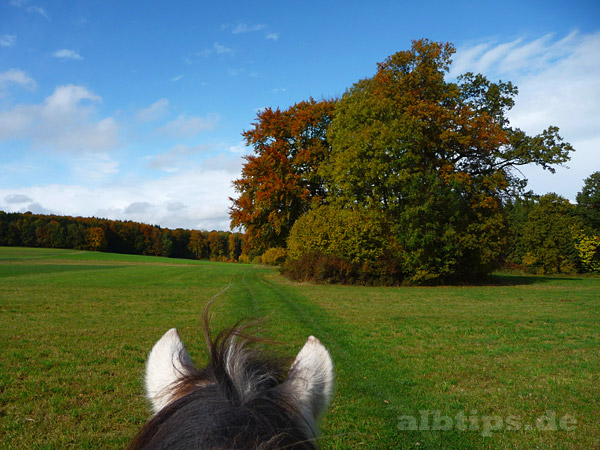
(189, 126)
(177, 158)
(239, 149)
(154, 111)
(8, 40)
(216, 49)
(558, 85)
(94, 167)
(67, 54)
(34, 9)
(176, 78)
(63, 121)
(516, 56)
(80, 21)
(18, 77)
(236, 72)
(245, 28)
(273, 36)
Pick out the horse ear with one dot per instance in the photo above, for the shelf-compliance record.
(167, 363)
(311, 380)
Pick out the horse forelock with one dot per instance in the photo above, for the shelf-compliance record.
(235, 402)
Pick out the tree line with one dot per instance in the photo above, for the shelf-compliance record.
(407, 178)
(50, 231)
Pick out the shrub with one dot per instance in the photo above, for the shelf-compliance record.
(275, 256)
(339, 245)
(245, 259)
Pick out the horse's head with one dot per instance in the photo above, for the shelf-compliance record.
(242, 399)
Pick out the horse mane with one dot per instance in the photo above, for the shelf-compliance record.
(236, 402)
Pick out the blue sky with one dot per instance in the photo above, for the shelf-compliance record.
(134, 110)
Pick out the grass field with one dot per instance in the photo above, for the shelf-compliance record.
(76, 327)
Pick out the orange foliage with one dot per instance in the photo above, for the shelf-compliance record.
(279, 181)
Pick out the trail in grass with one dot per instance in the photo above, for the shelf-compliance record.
(367, 417)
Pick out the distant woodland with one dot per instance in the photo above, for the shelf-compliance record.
(36, 230)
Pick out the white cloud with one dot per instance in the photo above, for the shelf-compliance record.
(138, 208)
(175, 206)
(559, 84)
(17, 198)
(235, 72)
(221, 49)
(34, 9)
(216, 49)
(15, 76)
(37, 208)
(196, 197)
(239, 149)
(244, 28)
(8, 40)
(176, 78)
(67, 54)
(176, 158)
(273, 36)
(94, 167)
(189, 126)
(154, 111)
(62, 122)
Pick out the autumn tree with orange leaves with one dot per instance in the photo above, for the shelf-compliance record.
(281, 180)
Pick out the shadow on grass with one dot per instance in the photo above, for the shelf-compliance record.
(501, 279)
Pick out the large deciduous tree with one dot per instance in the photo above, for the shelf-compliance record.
(280, 180)
(436, 156)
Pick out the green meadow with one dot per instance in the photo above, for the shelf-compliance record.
(513, 364)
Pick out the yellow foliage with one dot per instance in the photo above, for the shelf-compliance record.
(588, 249)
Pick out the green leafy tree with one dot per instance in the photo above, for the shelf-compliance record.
(517, 211)
(437, 157)
(548, 236)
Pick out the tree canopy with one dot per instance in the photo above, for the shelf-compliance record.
(280, 180)
(588, 201)
(437, 156)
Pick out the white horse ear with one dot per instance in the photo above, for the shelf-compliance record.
(311, 381)
(167, 363)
